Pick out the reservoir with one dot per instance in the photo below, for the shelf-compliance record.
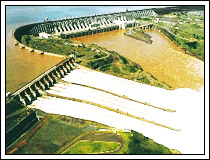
(23, 66)
(166, 61)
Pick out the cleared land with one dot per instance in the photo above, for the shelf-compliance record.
(57, 131)
(96, 143)
(68, 135)
(92, 147)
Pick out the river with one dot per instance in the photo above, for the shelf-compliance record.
(166, 61)
(23, 66)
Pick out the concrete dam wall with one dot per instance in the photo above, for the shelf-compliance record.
(28, 93)
(80, 26)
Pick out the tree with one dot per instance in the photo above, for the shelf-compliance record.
(25, 39)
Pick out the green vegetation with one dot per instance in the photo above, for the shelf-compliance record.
(140, 144)
(15, 117)
(92, 147)
(126, 136)
(193, 43)
(95, 57)
(12, 105)
(105, 141)
(56, 46)
(139, 35)
(184, 27)
(68, 135)
(167, 10)
(136, 143)
(173, 151)
(55, 133)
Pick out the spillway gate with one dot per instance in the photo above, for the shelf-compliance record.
(35, 88)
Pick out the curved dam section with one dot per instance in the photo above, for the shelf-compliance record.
(74, 27)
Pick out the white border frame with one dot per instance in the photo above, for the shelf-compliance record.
(152, 3)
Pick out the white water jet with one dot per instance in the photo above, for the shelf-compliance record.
(188, 103)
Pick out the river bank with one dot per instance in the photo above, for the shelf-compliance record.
(97, 58)
(163, 59)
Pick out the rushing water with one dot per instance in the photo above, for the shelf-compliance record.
(188, 118)
(23, 66)
(162, 58)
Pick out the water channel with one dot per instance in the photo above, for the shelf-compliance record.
(166, 61)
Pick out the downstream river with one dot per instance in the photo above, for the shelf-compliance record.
(162, 58)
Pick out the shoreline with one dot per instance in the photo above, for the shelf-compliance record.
(16, 42)
(40, 51)
(63, 56)
(139, 35)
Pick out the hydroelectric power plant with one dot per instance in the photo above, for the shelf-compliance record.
(80, 26)
(118, 102)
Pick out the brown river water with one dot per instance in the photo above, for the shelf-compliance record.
(23, 66)
(166, 61)
(163, 59)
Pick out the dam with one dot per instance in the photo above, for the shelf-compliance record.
(73, 90)
(33, 89)
(75, 27)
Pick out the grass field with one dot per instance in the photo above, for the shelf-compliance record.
(103, 141)
(55, 133)
(92, 147)
(68, 135)
(191, 29)
(126, 136)
(103, 136)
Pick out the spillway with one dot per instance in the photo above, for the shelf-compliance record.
(82, 92)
